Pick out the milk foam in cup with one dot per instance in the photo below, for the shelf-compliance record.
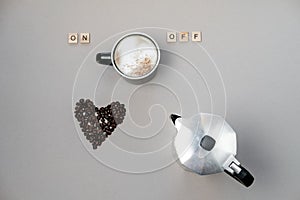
(135, 57)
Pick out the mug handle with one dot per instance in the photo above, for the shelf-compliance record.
(104, 58)
(239, 173)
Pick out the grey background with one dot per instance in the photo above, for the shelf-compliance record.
(256, 45)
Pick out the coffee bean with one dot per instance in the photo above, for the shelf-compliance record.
(98, 123)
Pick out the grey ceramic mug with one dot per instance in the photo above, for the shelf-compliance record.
(135, 56)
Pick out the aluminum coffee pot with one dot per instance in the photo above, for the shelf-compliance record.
(206, 144)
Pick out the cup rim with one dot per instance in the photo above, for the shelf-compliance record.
(135, 77)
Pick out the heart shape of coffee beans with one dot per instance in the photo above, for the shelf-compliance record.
(98, 123)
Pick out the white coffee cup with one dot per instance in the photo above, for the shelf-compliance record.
(135, 56)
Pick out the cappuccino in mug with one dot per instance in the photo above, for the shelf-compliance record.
(135, 56)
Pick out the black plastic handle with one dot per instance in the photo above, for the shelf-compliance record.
(104, 58)
(244, 176)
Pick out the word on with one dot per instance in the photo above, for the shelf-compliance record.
(84, 38)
